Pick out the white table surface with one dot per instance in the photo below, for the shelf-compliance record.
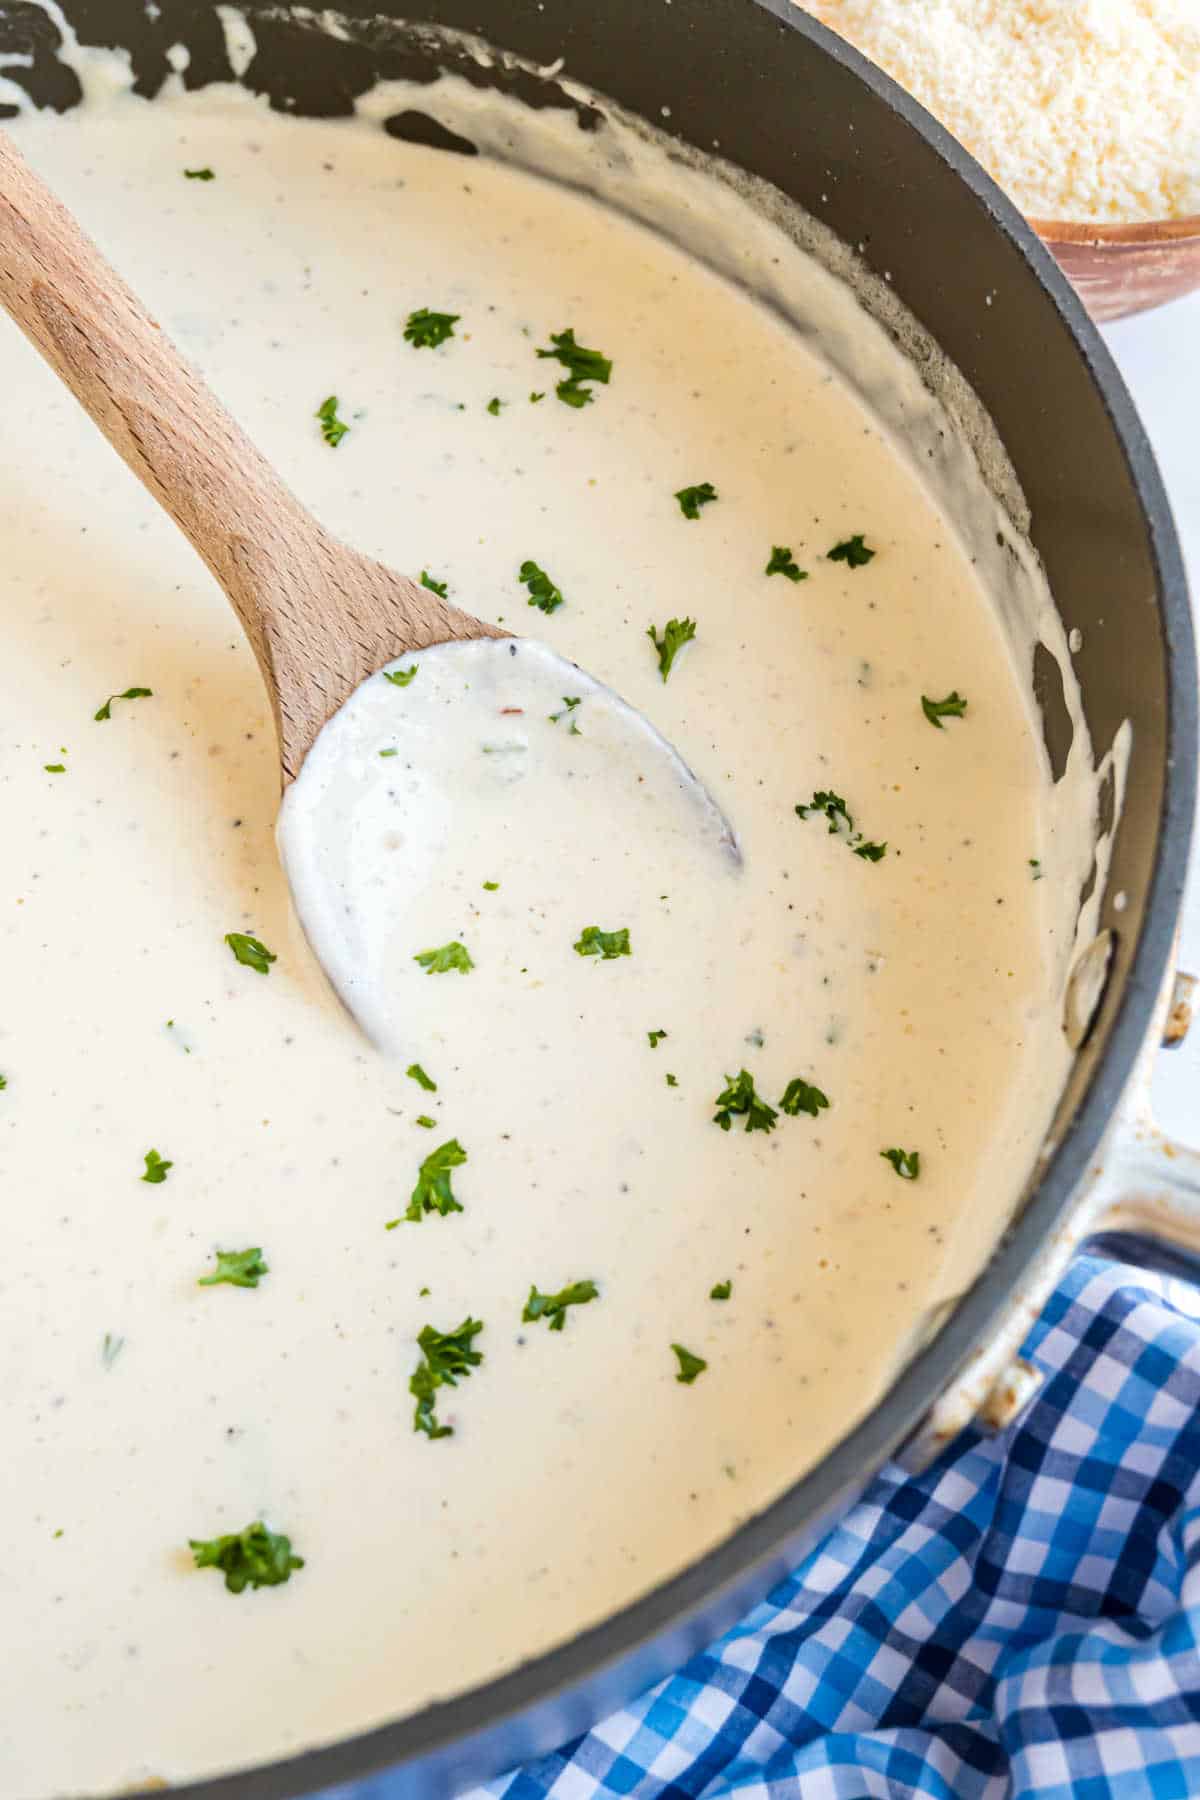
(1159, 356)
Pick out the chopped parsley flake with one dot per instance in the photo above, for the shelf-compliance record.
(448, 956)
(907, 1163)
(55, 768)
(952, 707)
(738, 1099)
(852, 551)
(425, 1122)
(447, 1357)
(553, 1307)
(156, 1168)
(110, 1349)
(433, 1192)
(198, 175)
(440, 588)
(689, 1366)
(534, 398)
(676, 633)
(721, 1291)
(417, 1073)
(3, 1083)
(237, 1268)
(425, 330)
(389, 753)
(251, 951)
(656, 1038)
(333, 429)
(400, 677)
(542, 592)
(606, 944)
(490, 887)
(1034, 863)
(672, 1081)
(782, 562)
(801, 1097)
(833, 808)
(494, 405)
(253, 1558)
(582, 365)
(131, 693)
(570, 702)
(691, 499)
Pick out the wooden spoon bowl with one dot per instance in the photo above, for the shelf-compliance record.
(1119, 270)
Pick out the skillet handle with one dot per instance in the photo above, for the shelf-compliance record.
(1150, 1211)
(1139, 1203)
(1153, 1217)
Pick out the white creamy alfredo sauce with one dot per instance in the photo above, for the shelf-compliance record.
(919, 993)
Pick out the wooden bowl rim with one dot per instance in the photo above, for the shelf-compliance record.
(1149, 233)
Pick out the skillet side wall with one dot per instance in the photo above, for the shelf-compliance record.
(788, 102)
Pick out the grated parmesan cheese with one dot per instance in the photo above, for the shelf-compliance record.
(1084, 110)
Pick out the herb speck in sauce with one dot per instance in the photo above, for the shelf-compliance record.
(689, 1365)
(445, 958)
(739, 1100)
(236, 1268)
(254, 1557)
(433, 1192)
(333, 429)
(156, 1168)
(952, 707)
(676, 633)
(832, 808)
(582, 366)
(131, 693)
(447, 1357)
(250, 951)
(853, 551)
(907, 1163)
(425, 330)
(691, 499)
(605, 944)
(553, 1307)
(782, 562)
(542, 592)
(801, 1097)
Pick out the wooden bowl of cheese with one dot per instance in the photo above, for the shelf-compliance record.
(1081, 110)
(1118, 270)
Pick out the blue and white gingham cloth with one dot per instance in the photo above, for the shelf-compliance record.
(1021, 1622)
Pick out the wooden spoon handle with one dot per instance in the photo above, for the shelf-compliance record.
(153, 409)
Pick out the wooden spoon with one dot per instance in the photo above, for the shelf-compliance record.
(320, 617)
